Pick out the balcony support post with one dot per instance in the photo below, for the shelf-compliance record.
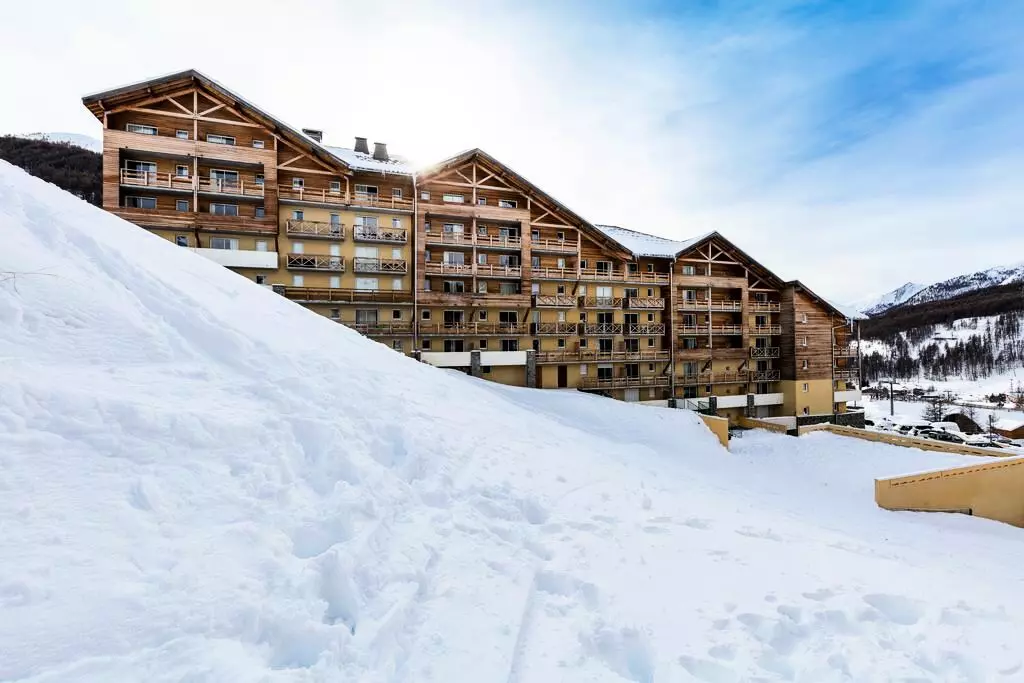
(474, 363)
(531, 368)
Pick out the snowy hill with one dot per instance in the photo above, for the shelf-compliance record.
(203, 481)
(877, 304)
(77, 139)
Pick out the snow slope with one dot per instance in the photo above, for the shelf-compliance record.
(78, 139)
(203, 481)
(879, 304)
(961, 284)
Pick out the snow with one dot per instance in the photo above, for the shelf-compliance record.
(643, 244)
(77, 139)
(880, 303)
(366, 162)
(203, 481)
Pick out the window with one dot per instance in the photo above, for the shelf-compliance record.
(650, 292)
(803, 340)
(650, 267)
(298, 183)
(650, 341)
(223, 243)
(803, 364)
(604, 345)
(298, 281)
(396, 193)
(454, 258)
(298, 215)
(483, 315)
(335, 313)
(396, 344)
(454, 287)
(561, 343)
(805, 387)
(335, 282)
(689, 270)
(366, 316)
(507, 203)
(509, 344)
(181, 240)
(298, 248)
(803, 317)
(224, 209)
(335, 187)
(425, 344)
(425, 196)
(690, 294)
(396, 253)
(481, 287)
(761, 320)
(261, 279)
(220, 139)
(141, 167)
(481, 230)
(453, 228)
(486, 369)
(140, 202)
(139, 128)
(261, 212)
(453, 345)
(481, 258)
(481, 201)
(181, 205)
(689, 342)
(396, 223)
(453, 198)
(259, 179)
(366, 191)
(181, 171)
(396, 283)
(583, 263)
(535, 261)
(508, 288)
(560, 235)
(367, 284)
(650, 317)
(633, 268)
(425, 314)
(223, 179)
(258, 144)
(181, 134)
(483, 344)
(396, 314)
(583, 344)
(508, 317)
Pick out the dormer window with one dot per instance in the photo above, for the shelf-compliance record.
(298, 183)
(507, 203)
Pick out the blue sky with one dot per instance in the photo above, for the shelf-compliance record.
(853, 145)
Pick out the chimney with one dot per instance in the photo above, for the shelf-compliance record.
(361, 146)
(317, 135)
(380, 151)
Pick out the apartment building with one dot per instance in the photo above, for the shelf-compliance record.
(466, 264)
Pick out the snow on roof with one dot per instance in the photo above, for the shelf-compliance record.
(1008, 425)
(366, 162)
(849, 311)
(644, 244)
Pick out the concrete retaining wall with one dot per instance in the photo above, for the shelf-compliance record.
(719, 426)
(754, 423)
(908, 441)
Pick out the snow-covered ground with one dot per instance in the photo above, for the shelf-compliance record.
(201, 481)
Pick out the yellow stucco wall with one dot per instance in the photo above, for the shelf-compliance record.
(817, 399)
(719, 426)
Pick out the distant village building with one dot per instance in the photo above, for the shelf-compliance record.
(1011, 429)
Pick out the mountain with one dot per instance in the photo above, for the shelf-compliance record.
(204, 481)
(877, 304)
(77, 139)
(961, 284)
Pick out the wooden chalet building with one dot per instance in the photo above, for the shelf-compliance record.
(467, 264)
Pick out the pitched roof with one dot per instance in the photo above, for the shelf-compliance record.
(365, 162)
(644, 244)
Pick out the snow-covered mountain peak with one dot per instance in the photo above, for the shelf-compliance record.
(77, 139)
(877, 304)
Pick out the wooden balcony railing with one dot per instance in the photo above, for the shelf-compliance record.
(623, 382)
(460, 239)
(764, 351)
(556, 328)
(728, 306)
(240, 187)
(844, 351)
(613, 275)
(557, 246)
(318, 229)
(602, 328)
(595, 356)
(440, 268)
(379, 265)
(601, 302)
(335, 264)
(321, 196)
(498, 270)
(727, 330)
(692, 330)
(554, 301)
(720, 330)
(332, 295)
(362, 233)
(765, 306)
(153, 179)
(380, 329)
(765, 376)
(601, 274)
(845, 375)
(646, 302)
(766, 330)
(499, 242)
(645, 329)
(688, 379)
(713, 281)
(553, 273)
(472, 329)
(377, 201)
(643, 277)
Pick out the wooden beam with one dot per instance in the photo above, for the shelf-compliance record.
(152, 100)
(291, 161)
(306, 170)
(211, 110)
(179, 105)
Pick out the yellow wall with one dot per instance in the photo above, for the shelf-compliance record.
(719, 426)
(992, 490)
(817, 399)
(907, 441)
(753, 423)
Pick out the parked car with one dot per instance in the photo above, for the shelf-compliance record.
(869, 423)
(947, 426)
(948, 437)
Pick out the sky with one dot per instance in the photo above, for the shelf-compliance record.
(854, 145)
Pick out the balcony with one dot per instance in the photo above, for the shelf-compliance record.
(379, 265)
(645, 278)
(301, 195)
(764, 376)
(554, 301)
(156, 181)
(315, 229)
(601, 302)
(612, 275)
(692, 330)
(452, 269)
(325, 295)
(845, 375)
(766, 330)
(380, 329)
(848, 396)
(765, 306)
(644, 329)
(623, 382)
(239, 258)
(168, 146)
(764, 351)
(375, 201)
(704, 353)
(362, 233)
(556, 329)
(727, 330)
(553, 246)
(474, 299)
(454, 239)
(594, 356)
(844, 351)
(713, 378)
(646, 302)
(714, 305)
(547, 273)
(234, 188)
(602, 328)
(478, 329)
(713, 281)
(505, 242)
(499, 271)
(334, 264)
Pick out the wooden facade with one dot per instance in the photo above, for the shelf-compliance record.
(464, 257)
